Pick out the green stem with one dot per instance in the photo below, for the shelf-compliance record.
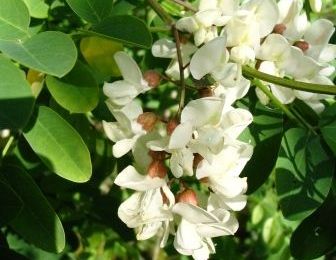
(161, 12)
(7, 146)
(303, 121)
(288, 83)
(159, 29)
(274, 100)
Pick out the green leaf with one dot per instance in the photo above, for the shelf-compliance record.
(14, 20)
(11, 204)
(53, 53)
(77, 92)
(16, 98)
(126, 29)
(304, 173)
(37, 222)
(93, 11)
(59, 146)
(37, 8)
(265, 135)
(328, 126)
(315, 236)
(99, 54)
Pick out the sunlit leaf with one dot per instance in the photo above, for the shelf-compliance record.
(77, 92)
(59, 146)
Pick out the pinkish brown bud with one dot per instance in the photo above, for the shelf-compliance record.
(171, 125)
(187, 196)
(157, 155)
(279, 28)
(153, 78)
(205, 92)
(157, 169)
(147, 120)
(303, 45)
(197, 159)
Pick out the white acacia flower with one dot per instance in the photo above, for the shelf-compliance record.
(222, 174)
(122, 92)
(165, 48)
(212, 59)
(198, 226)
(316, 5)
(203, 24)
(126, 130)
(148, 210)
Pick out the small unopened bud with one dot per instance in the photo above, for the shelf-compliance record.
(205, 92)
(187, 196)
(279, 28)
(147, 120)
(171, 125)
(157, 169)
(303, 45)
(157, 155)
(197, 159)
(152, 77)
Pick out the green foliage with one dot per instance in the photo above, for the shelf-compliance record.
(58, 145)
(56, 164)
(37, 222)
(77, 91)
(16, 98)
(304, 173)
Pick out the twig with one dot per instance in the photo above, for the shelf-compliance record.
(161, 12)
(185, 5)
(180, 63)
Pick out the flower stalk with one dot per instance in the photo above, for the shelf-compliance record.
(289, 83)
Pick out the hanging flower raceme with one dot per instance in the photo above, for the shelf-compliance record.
(200, 146)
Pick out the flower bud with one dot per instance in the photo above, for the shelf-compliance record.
(157, 169)
(197, 159)
(279, 28)
(152, 77)
(147, 120)
(171, 125)
(187, 196)
(205, 92)
(303, 45)
(157, 155)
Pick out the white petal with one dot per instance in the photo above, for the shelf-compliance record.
(130, 178)
(235, 121)
(164, 48)
(208, 17)
(120, 92)
(182, 162)
(187, 24)
(288, 10)
(328, 53)
(242, 54)
(113, 131)
(181, 136)
(207, 4)
(274, 46)
(203, 111)
(208, 57)
(193, 214)
(266, 13)
(122, 147)
(187, 239)
(129, 68)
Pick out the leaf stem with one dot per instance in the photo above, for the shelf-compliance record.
(180, 63)
(161, 12)
(288, 83)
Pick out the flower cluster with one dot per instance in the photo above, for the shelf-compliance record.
(201, 144)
